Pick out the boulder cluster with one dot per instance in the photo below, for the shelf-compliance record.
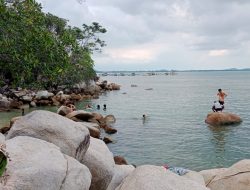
(93, 121)
(19, 98)
(50, 151)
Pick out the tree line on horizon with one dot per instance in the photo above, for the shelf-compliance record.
(40, 50)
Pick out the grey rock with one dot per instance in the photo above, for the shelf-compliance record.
(71, 137)
(37, 164)
(121, 171)
(101, 164)
(148, 177)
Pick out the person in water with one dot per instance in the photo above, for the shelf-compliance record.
(221, 96)
(217, 107)
(98, 107)
(104, 107)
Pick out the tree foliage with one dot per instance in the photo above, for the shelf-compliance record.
(42, 50)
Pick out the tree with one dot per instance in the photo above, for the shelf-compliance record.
(41, 50)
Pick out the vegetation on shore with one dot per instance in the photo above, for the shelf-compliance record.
(40, 50)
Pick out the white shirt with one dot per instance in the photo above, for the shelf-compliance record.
(217, 105)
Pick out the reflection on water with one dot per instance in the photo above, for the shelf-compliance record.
(219, 137)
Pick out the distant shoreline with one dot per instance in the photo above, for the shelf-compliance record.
(199, 70)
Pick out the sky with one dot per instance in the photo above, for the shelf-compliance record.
(164, 34)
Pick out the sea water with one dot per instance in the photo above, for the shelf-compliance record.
(174, 131)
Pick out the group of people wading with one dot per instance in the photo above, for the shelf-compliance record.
(219, 105)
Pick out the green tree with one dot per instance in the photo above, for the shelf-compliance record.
(41, 50)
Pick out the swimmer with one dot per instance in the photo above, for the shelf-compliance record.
(98, 107)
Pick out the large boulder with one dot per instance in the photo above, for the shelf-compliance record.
(64, 110)
(222, 118)
(101, 164)
(37, 164)
(90, 88)
(43, 94)
(4, 104)
(80, 115)
(195, 176)
(121, 171)
(2, 139)
(235, 177)
(210, 174)
(94, 129)
(78, 176)
(148, 177)
(70, 136)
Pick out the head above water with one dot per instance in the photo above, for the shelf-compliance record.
(219, 90)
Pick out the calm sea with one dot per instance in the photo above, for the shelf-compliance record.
(174, 131)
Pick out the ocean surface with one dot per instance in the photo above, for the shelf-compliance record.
(174, 131)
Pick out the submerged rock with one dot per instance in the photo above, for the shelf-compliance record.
(222, 118)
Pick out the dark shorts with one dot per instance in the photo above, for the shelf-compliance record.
(221, 102)
(217, 109)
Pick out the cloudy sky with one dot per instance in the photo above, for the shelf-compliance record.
(164, 34)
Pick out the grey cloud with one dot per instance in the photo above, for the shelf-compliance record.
(221, 24)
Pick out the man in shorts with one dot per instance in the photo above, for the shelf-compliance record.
(221, 96)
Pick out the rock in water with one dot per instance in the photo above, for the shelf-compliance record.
(222, 118)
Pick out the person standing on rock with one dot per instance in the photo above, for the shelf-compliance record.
(221, 96)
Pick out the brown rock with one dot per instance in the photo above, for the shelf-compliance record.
(55, 101)
(109, 130)
(5, 128)
(80, 114)
(115, 86)
(64, 110)
(119, 160)
(222, 118)
(43, 102)
(76, 97)
(107, 140)
(15, 104)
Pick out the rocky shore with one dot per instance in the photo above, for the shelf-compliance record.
(65, 151)
(50, 151)
(19, 98)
